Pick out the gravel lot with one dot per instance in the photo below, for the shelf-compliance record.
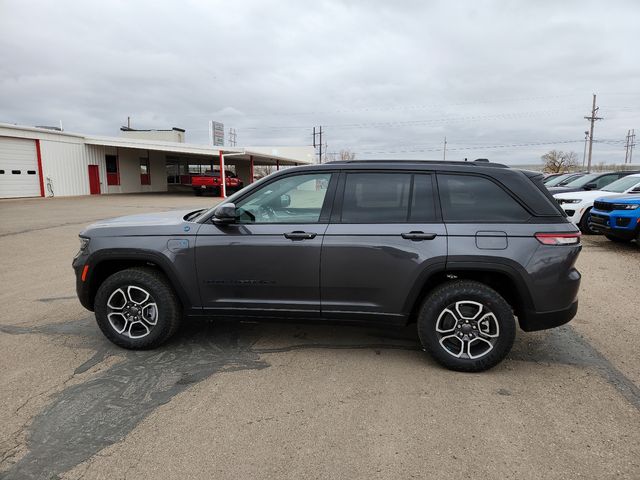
(227, 400)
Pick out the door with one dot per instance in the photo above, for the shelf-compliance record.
(18, 168)
(94, 180)
(384, 239)
(267, 263)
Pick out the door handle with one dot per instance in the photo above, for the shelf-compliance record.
(298, 235)
(418, 236)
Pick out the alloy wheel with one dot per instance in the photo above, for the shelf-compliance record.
(467, 329)
(132, 311)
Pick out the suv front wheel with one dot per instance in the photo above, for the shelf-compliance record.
(466, 326)
(137, 308)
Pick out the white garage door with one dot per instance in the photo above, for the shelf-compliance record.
(18, 168)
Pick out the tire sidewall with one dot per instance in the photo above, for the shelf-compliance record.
(158, 291)
(460, 291)
(584, 223)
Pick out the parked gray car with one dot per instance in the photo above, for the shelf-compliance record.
(461, 249)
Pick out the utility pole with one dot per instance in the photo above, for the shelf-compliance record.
(584, 153)
(444, 149)
(319, 143)
(628, 148)
(592, 119)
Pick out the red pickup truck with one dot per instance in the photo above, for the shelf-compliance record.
(210, 182)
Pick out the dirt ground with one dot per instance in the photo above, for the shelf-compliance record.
(246, 400)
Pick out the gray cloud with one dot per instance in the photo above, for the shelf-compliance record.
(385, 79)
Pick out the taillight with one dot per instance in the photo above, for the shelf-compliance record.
(558, 238)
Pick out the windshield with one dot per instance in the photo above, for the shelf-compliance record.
(555, 181)
(582, 181)
(622, 185)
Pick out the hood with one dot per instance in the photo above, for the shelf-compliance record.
(555, 190)
(161, 223)
(584, 195)
(624, 198)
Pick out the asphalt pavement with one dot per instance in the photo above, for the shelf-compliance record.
(270, 400)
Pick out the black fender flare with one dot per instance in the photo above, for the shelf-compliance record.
(140, 255)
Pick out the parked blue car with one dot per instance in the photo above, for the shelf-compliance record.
(617, 217)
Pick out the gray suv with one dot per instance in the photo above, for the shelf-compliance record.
(461, 249)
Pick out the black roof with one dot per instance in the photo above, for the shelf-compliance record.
(480, 162)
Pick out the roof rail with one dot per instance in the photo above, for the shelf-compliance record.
(481, 162)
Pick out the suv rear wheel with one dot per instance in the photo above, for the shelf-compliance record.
(137, 308)
(466, 326)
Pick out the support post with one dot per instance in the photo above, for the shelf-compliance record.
(250, 168)
(277, 165)
(223, 181)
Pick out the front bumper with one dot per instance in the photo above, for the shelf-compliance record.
(531, 321)
(574, 212)
(617, 223)
(83, 289)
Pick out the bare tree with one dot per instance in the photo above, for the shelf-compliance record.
(557, 161)
(342, 155)
(347, 155)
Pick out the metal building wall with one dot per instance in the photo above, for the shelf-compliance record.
(66, 167)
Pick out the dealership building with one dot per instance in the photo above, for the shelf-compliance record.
(43, 162)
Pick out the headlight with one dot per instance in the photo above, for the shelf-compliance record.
(625, 206)
(84, 243)
(565, 200)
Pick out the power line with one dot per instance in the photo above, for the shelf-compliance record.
(474, 147)
(408, 123)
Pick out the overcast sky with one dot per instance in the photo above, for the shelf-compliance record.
(385, 79)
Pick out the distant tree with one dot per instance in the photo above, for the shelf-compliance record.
(344, 154)
(557, 161)
(347, 155)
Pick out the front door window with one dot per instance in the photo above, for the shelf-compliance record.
(293, 199)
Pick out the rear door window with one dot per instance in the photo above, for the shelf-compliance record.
(470, 198)
(390, 197)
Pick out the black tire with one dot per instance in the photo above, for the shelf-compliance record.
(448, 294)
(584, 223)
(168, 313)
(617, 239)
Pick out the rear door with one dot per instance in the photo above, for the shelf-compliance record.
(385, 236)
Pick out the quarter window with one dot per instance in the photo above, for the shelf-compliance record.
(468, 198)
(292, 199)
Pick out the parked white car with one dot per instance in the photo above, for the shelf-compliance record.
(577, 205)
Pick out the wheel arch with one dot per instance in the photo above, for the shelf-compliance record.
(502, 277)
(107, 262)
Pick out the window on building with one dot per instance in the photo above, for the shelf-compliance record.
(113, 175)
(145, 172)
(468, 198)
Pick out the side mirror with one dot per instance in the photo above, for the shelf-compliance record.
(285, 201)
(591, 186)
(225, 214)
(635, 190)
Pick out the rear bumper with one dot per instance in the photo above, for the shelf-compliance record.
(531, 321)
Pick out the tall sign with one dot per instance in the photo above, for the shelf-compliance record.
(216, 133)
